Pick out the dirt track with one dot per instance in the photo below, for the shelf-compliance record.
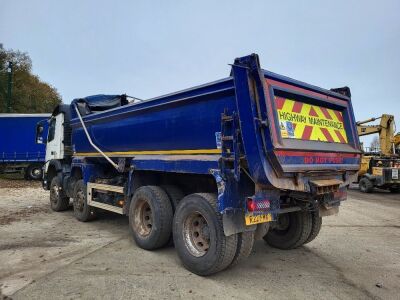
(48, 255)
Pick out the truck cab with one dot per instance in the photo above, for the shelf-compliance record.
(57, 140)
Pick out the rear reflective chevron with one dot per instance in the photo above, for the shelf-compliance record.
(298, 120)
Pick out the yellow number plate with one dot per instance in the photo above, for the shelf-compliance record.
(256, 219)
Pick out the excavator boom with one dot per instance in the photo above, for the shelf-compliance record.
(385, 129)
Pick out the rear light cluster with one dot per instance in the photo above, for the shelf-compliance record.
(257, 205)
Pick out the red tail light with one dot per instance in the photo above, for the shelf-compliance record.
(251, 204)
(257, 205)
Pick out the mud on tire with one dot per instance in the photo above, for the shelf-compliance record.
(82, 211)
(199, 236)
(150, 217)
(58, 199)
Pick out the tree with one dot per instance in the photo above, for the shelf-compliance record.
(375, 145)
(29, 93)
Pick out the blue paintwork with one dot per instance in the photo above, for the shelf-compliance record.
(17, 138)
(162, 163)
(191, 120)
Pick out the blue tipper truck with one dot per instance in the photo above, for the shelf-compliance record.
(253, 156)
(19, 152)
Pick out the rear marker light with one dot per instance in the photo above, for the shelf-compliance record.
(251, 205)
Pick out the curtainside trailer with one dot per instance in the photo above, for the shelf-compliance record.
(253, 156)
(19, 152)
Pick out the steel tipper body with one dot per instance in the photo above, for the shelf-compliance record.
(19, 152)
(255, 155)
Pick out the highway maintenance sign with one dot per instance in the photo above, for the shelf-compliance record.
(303, 121)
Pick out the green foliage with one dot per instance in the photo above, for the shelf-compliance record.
(29, 93)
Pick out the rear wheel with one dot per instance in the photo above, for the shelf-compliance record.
(366, 185)
(150, 217)
(58, 199)
(199, 236)
(315, 227)
(34, 172)
(174, 193)
(291, 231)
(82, 211)
(244, 247)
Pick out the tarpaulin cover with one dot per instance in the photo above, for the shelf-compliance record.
(98, 103)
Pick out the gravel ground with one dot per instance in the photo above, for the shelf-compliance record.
(48, 255)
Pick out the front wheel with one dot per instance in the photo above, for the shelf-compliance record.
(199, 236)
(291, 231)
(82, 211)
(59, 201)
(366, 186)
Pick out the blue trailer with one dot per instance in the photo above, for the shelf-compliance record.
(253, 156)
(19, 152)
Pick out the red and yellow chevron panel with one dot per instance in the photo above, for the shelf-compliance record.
(298, 120)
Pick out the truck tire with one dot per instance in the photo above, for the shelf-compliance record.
(366, 186)
(244, 247)
(150, 217)
(174, 193)
(82, 211)
(292, 231)
(199, 235)
(34, 172)
(315, 227)
(58, 199)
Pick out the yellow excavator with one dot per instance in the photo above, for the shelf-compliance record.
(380, 167)
(396, 141)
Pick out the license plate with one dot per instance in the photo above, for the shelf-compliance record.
(256, 219)
(395, 174)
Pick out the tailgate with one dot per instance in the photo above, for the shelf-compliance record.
(308, 122)
(310, 128)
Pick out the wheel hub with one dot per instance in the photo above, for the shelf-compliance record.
(36, 172)
(54, 193)
(196, 233)
(283, 222)
(143, 218)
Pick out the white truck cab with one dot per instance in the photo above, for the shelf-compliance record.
(55, 138)
(57, 142)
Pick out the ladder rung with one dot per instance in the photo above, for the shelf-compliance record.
(227, 118)
(228, 158)
(227, 138)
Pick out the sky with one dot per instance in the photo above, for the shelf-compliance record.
(149, 48)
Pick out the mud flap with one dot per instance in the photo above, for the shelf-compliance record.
(233, 221)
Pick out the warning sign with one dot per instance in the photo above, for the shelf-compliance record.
(298, 120)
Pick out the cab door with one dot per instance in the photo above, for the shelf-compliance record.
(55, 137)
